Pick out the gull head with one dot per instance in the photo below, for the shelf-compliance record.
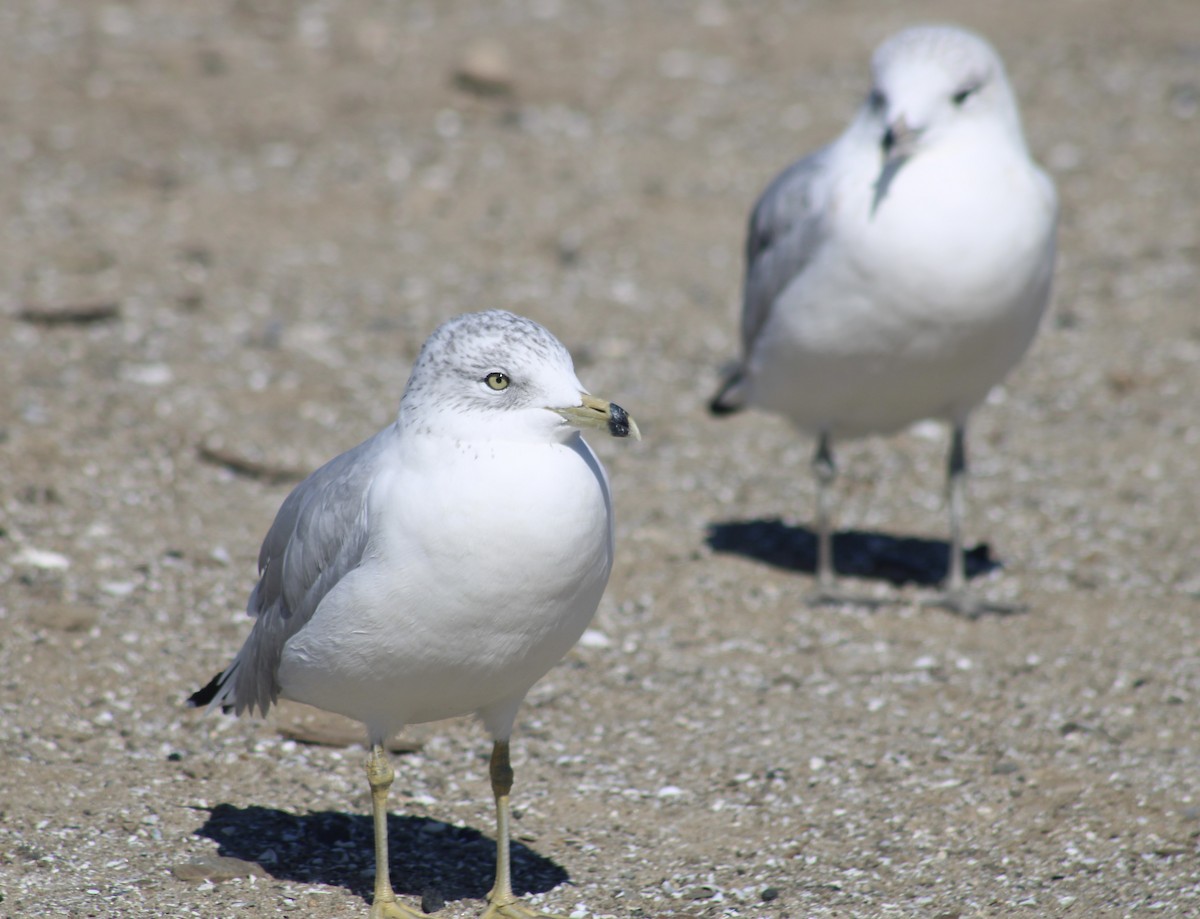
(928, 84)
(498, 376)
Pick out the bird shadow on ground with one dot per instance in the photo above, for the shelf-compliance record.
(898, 560)
(430, 860)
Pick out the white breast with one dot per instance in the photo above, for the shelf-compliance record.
(426, 629)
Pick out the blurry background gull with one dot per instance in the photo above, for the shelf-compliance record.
(899, 273)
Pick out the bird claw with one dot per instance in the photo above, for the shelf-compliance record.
(823, 596)
(828, 596)
(393, 909)
(972, 606)
(514, 909)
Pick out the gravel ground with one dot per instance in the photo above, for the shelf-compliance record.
(226, 228)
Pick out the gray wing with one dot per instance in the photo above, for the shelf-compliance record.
(786, 229)
(319, 535)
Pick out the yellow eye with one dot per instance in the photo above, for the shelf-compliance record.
(497, 380)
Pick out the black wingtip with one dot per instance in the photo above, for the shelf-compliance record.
(203, 697)
(723, 403)
(720, 409)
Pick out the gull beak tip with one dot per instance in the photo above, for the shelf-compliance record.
(598, 413)
(620, 424)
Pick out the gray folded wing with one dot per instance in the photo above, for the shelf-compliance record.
(319, 535)
(786, 229)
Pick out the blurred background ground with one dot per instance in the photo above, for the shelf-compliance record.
(225, 229)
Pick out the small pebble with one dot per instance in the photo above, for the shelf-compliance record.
(485, 69)
(432, 900)
(216, 868)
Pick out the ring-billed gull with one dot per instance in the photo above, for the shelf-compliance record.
(900, 272)
(444, 565)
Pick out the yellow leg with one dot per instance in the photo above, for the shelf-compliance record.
(380, 776)
(501, 900)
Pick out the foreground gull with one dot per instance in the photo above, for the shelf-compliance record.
(900, 272)
(443, 566)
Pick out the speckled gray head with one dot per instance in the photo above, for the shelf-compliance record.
(498, 376)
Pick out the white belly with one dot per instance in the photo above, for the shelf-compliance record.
(485, 574)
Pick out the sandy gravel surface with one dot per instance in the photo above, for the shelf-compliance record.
(226, 227)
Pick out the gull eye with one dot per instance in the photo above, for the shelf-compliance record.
(964, 94)
(877, 101)
(497, 380)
